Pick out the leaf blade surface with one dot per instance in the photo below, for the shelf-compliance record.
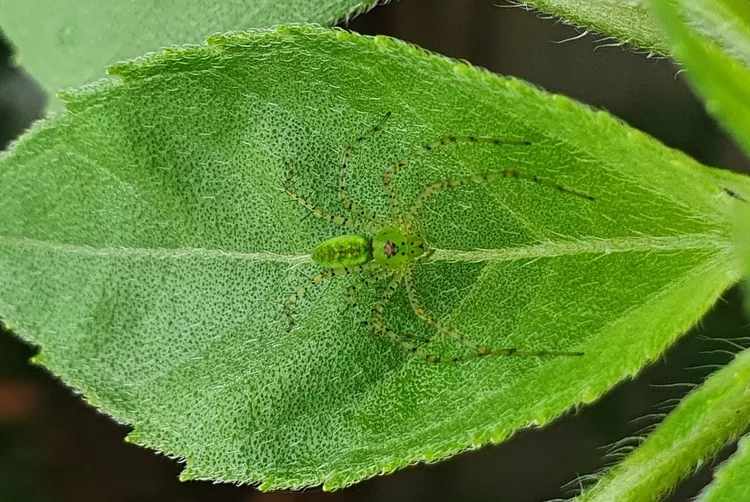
(147, 245)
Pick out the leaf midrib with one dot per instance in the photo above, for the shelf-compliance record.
(549, 249)
(587, 245)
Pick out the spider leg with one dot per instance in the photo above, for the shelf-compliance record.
(314, 281)
(343, 192)
(479, 349)
(389, 173)
(427, 318)
(379, 327)
(351, 291)
(320, 213)
(435, 187)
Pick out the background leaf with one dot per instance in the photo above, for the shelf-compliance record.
(628, 22)
(67, 43)
(146, 244)
(732, 480)
(713, 42)
(726, 22)
(708, 418)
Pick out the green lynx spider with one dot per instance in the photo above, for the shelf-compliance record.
(396, 248)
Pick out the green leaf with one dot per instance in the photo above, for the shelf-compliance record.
(712, 415)
(629, 22)
(732, 480)
(68, 43)
(713, 41)
(147, 244)
(726, 22)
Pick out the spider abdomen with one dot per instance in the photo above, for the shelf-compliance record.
(343, 251)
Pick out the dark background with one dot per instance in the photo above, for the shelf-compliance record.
(53, 447)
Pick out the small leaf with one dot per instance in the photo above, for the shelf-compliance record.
(147, 244)
(712, 39)
(629, 22)
(68, 43)
(732, 480)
